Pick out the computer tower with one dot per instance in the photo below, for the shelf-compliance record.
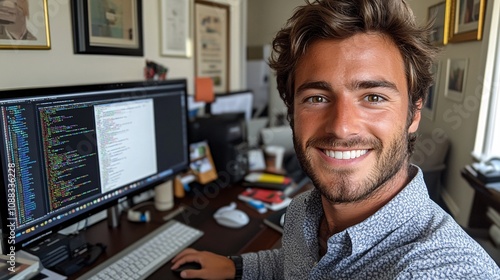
(226, 137)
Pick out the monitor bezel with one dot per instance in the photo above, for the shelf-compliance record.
(69, 90)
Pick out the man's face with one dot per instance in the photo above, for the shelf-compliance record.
(350, 116)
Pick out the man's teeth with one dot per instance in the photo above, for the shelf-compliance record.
(345, 154)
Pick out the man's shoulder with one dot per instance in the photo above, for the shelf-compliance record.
(444, 247)
(305, 198)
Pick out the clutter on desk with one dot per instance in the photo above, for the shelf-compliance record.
(272, 199)
(202, 164)
(491, 183)
(19, 265)
(267, 181)
(488, 171)
(274, 156)
(257, 205)
(201, 169)
(256, 160)
(181, 184)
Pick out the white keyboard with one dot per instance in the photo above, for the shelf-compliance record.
(145, 256)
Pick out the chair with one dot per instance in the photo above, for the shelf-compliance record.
(430, 155)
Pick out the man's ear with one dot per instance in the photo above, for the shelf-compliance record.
(416, 117)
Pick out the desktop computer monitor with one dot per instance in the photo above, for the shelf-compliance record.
(69, 152)
(232, 102)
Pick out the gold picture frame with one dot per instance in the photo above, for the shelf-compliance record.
(30, 16)
(466, 20)
(437, 14)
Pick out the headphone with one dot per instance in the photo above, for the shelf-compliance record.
(137, 216)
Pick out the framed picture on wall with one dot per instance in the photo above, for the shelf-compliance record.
(429, 109)
(107, 27)
(175, 28)
(456, 75)
(212, 43)
(466, 20)
(437, 14)
(24, 24)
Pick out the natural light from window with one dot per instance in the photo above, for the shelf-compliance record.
(487, 144)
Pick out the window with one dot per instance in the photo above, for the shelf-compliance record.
(488, 128)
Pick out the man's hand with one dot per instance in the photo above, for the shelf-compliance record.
(213, 266)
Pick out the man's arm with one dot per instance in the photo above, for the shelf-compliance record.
(266, 264)
(261, 265)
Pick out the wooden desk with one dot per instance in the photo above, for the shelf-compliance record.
(200, 208)
(483, 198)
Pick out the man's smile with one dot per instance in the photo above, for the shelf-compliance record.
(345, 154)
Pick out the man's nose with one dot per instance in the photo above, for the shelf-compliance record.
(343, 118)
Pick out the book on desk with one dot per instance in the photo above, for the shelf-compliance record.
(272, 199)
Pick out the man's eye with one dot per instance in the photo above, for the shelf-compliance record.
(374, 98)
(316, 99)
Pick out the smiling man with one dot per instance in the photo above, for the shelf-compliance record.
(353, 75)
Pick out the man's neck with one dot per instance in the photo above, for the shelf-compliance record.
(339, 216)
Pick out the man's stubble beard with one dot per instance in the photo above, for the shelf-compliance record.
(341, 187)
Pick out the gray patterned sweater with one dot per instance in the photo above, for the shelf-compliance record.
(411, 237)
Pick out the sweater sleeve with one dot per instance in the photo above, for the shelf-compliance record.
(266, 264)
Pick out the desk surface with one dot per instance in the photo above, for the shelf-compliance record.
(199, 210)
(483, 198)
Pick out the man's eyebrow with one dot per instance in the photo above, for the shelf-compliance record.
(368, 84)
(355, 85)
(321, 85)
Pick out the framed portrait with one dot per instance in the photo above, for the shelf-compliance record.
(24, 24)
(175, 29)
(429, 108)
(212, 43)
(107, 27)
(437, 14)
(466, 20)
(456, 75)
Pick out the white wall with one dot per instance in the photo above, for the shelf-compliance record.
(60, 66)
(265, 19)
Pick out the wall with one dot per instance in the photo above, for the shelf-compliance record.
(457, 119)
(265, 19)
(60, 66)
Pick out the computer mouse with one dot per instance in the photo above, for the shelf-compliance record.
(188, 265)
(229, 216)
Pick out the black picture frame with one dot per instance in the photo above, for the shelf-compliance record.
(86, 42)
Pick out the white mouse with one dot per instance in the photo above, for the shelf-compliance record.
(229, 216)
